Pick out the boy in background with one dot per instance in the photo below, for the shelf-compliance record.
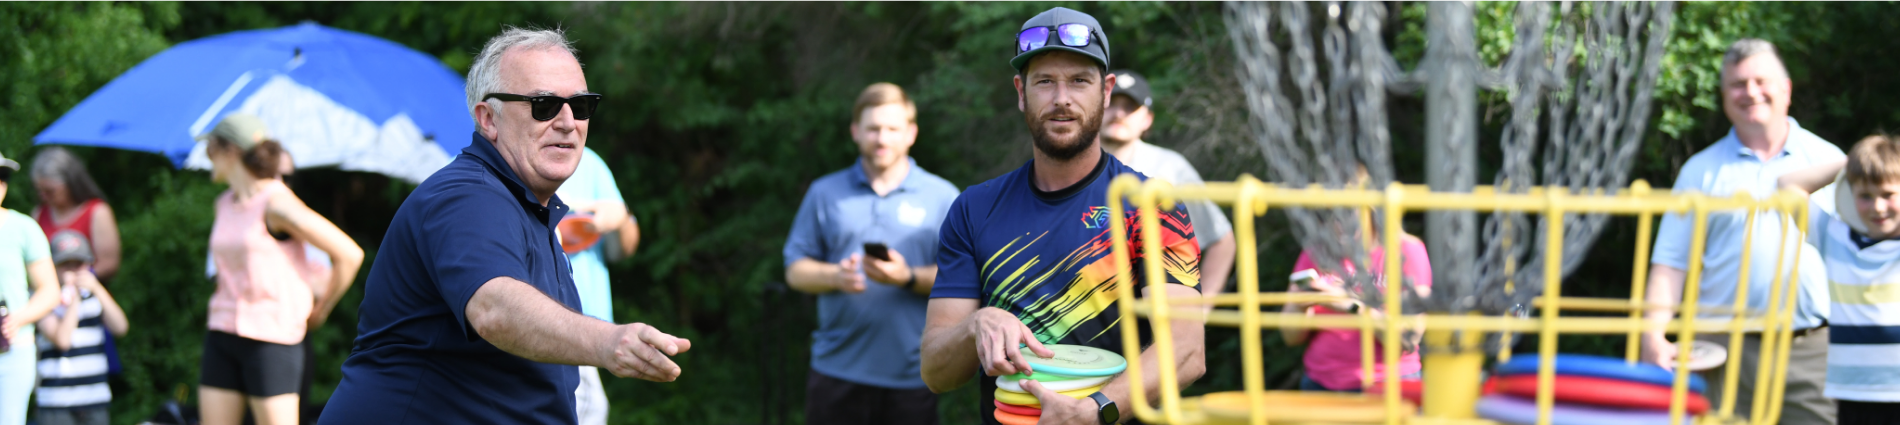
(72, 362)
(1859, 242)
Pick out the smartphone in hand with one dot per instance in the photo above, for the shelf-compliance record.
(1304, 279)
(877, 250)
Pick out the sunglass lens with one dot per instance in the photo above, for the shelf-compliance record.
(1073, 35)
(546, 107)
(584, 106)
(1031, 39)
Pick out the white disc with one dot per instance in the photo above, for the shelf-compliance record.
(1704, 355)
(1844, 205)
(1058, 386)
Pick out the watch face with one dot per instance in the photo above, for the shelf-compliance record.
(1105, 409)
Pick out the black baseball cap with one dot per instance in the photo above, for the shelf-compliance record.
(1096, 49)
(1134, 85)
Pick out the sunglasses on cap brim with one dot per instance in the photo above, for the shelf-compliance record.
(1072, 35)
(546, 107)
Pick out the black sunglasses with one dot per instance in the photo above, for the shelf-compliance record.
(546, 107)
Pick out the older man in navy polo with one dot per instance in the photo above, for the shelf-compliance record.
(469, 315)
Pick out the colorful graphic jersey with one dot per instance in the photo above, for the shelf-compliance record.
(1047, 258)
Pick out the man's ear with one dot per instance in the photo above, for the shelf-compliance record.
(1108, 90)
(1022, 105)
(485, 120)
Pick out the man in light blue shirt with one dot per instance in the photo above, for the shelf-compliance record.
(864, 355)
(591, 191)
(1764, 144)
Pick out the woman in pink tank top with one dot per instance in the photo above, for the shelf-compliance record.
(263, 304)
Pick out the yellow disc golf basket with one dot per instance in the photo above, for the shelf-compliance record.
(1452, 350)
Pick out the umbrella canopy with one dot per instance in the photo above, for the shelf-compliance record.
(331, 97)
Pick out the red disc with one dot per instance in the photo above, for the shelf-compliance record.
(575, 237)
(1601, 392)
(1007, 418)
(1410, 390)
(1020, 410)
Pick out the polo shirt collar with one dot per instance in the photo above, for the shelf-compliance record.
(859, 178)
(484, 151)
(1795, 134)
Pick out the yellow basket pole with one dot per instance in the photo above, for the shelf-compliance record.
(1366, 338)
(1253, 372)
(1553, 290)
(1691, 299)
(1777, 389)
(1510, 287)
(1731, 375)
(1394, 284)
(1152, 193)
(1770, 332)
(1125, 296)
(1639, 279)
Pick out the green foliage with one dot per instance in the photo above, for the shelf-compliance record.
(719, 114)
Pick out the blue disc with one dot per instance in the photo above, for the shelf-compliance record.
(1601, 367)
(1520, 411)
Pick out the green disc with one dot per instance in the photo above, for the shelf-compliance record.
(1075, 361)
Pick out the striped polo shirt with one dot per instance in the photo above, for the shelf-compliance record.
(1863, 355)
(76, 377)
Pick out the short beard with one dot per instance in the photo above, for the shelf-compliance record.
(1046, 143)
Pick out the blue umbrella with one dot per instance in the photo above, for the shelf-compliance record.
(332, 97)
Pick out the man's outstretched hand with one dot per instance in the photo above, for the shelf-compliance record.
(643, 352)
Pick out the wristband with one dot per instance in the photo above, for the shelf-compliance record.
(912, 283)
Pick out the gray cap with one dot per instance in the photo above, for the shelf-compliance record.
(1098, 39)
(1132, 84)
(68, 245)
(241, 129)
(9, 164)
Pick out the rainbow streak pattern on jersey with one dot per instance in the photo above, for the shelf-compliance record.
(1087, 275)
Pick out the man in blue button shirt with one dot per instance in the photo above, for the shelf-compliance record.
(469, 316)
(864, 354)
(1764, 144)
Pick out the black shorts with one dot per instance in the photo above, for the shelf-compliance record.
(1866, 413)
(833, 401)
(255, 368)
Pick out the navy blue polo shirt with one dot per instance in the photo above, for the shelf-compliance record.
(871, 337)
(416, 359)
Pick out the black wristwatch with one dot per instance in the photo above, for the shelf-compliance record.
(912, 283)
(1105, 409)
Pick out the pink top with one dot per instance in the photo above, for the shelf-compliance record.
(1332, 355)
(261, 293)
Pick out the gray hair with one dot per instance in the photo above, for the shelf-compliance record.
(58, 164)
(485, 76)
(1750, 47)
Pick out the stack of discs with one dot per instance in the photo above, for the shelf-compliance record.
(1075, 371)
(1589, 390)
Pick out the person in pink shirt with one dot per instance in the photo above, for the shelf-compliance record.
(1332, 355)
(265, 302)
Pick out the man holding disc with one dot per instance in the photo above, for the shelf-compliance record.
(469, 316)
(1764, 145)
(1017, 266)
(865, 242)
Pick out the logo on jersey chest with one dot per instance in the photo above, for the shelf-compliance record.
(1095, 218)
